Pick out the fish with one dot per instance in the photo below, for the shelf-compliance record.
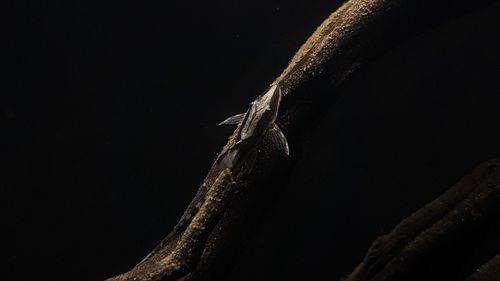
(258, 121)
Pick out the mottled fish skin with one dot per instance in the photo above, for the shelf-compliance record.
(254, 124)
(261, 114)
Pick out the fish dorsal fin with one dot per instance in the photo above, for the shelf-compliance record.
(233, 120)
(279, 138)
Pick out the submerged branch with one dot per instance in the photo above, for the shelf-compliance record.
(231, 199)
(447, 239)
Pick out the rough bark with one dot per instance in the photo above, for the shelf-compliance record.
(447, 239)
(229, 202)
(490, 271)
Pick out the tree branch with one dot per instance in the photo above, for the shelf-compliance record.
(231, 199)
(439, 238)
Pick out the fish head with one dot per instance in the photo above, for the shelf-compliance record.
(269, 100)
(261, 113)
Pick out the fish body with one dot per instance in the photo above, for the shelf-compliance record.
(257, 121)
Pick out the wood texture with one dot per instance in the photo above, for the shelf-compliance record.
(447, 239)
(229, 203)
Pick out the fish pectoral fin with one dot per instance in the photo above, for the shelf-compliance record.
(279, 138)
(235, 119)
(229, 158)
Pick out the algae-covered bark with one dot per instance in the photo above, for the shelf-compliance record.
(229, 202)
(447, 239)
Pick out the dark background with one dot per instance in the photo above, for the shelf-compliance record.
(109, 113)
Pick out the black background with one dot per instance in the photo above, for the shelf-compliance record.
(109, 113)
